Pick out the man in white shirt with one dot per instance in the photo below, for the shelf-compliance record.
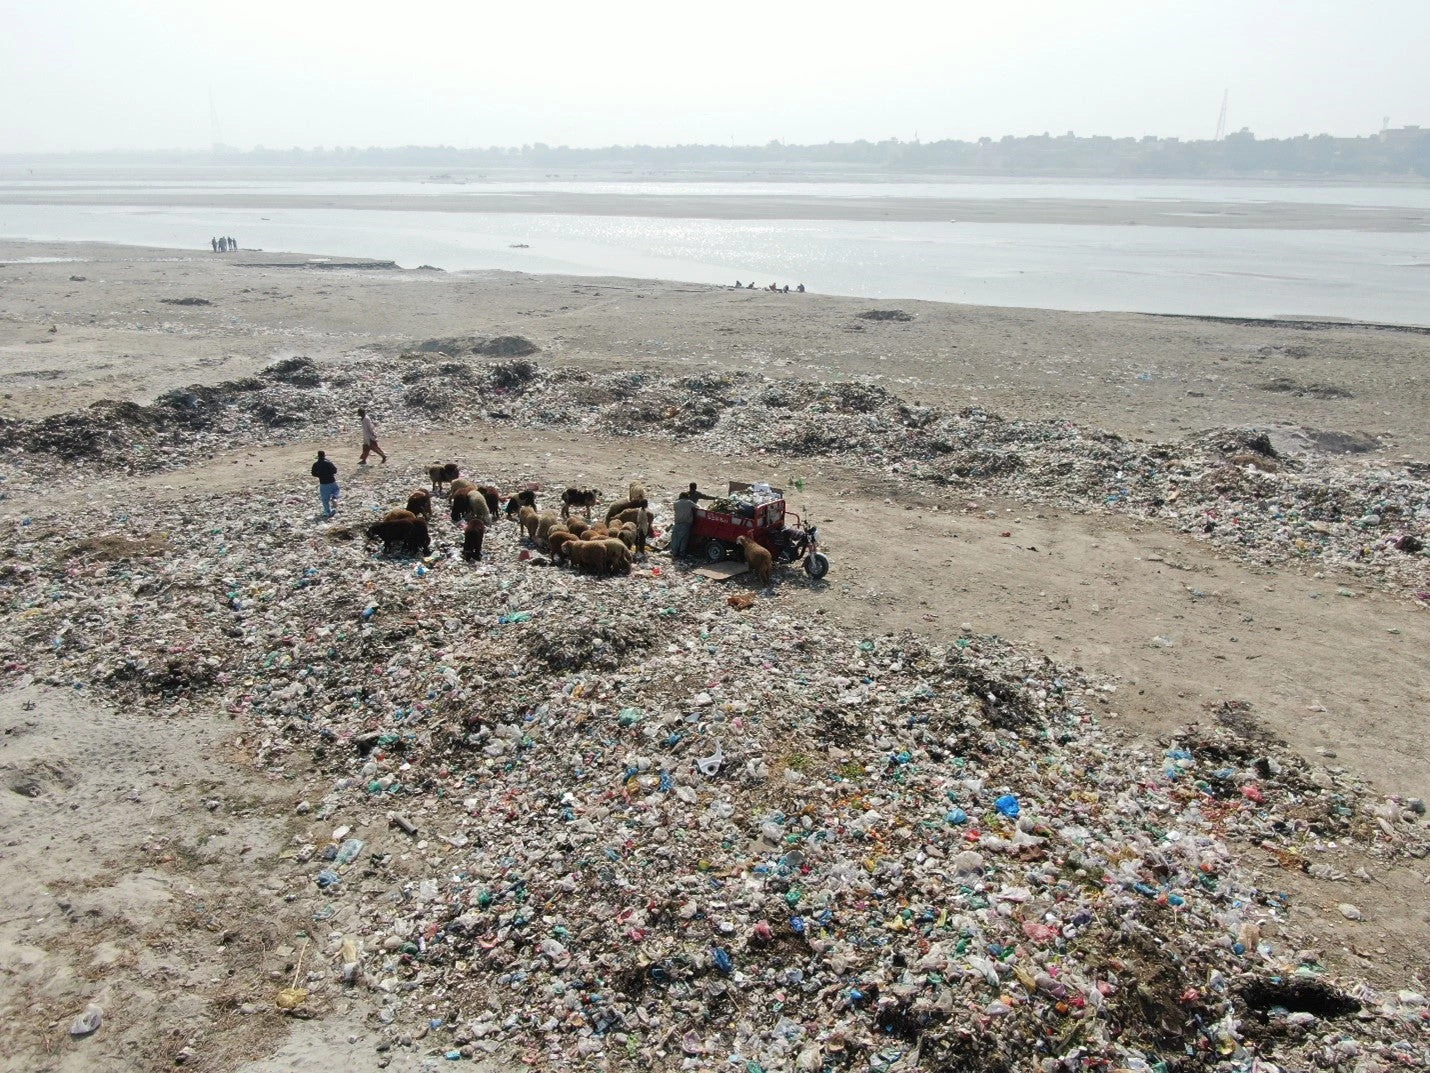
(369, 439)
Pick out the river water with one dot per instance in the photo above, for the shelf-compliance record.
(1231, 271)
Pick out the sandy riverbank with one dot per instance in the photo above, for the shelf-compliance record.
(119, 334)
(1181, 622)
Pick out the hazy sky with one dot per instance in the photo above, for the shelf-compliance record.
(99, 74)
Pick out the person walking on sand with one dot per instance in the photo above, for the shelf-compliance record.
(327, 475)
(369, 439)
(214, 243)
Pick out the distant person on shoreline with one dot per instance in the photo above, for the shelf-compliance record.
(214, 243)
(327, 475)
(739, 286)
(369, 439)
(800, 288)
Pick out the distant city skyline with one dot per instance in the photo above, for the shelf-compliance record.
(91, 75)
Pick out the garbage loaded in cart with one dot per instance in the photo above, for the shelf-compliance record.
(756, 511)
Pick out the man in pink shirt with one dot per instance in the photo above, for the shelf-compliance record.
(369, 439)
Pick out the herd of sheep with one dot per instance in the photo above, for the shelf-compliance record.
(605, 547)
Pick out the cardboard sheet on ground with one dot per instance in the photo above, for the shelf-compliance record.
(723, 571)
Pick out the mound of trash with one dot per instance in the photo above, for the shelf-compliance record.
(298, 371)
(502, 346)
(1228, 486)
(618, 822)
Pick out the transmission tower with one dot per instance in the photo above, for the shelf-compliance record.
(1221, 119)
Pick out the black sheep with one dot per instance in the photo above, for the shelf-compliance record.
(521, 499)
(408, 534)
(472, 541)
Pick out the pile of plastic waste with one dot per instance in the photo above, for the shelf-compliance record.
(619, 822)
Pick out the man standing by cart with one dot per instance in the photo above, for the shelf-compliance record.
(684, 518)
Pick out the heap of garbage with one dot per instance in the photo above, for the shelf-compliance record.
(1228, 486)
(618, 822)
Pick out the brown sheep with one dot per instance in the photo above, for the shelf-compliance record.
(586, 555)
(544, 524)
(596, 532)
(397, 514)
(472, 541)
(493, 498)
(637, 492)
(616, 508)
(636, 516)
(461, 486)
(442, 473)
(557, 539)
(617, 557)
(420, 502)
(528, 519)
(762, 563)
(577, 526)
(470, 506)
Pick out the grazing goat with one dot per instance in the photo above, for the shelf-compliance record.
(420, 502)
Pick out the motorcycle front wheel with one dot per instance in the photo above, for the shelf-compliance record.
(816, 565)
